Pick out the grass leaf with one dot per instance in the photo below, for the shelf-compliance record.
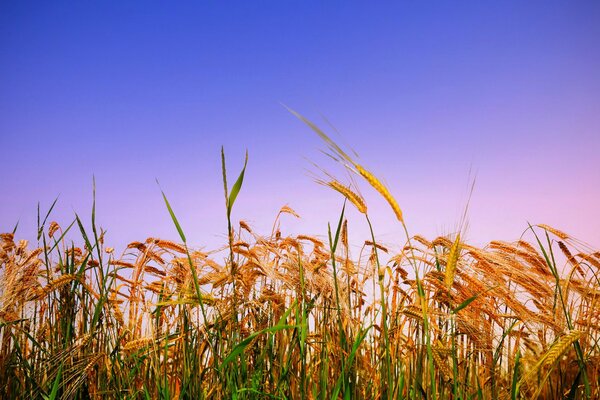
(173, 217)
(235, 190)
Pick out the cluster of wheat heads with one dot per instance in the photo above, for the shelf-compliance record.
(82, 322)
(279, 316)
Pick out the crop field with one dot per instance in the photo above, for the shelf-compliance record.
(273, 316)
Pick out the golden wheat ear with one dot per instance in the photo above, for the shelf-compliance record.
(452, 261)
(380, 187)
(345, 191)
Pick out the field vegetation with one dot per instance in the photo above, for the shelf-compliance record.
(272, 316)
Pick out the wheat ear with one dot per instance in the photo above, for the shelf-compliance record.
(377, 185)
(452, 261)
(353, 197)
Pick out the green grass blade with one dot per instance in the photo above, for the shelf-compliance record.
(514, 389)
(224, 173)
(173, 217)
(240, 347)
(15, 228)
(235, 189)
(464, 304)
(41, 226)
(469, 301)
(57, 241)
(54, 393)
(83, 233)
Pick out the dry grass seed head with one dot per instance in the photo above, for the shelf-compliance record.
(316, 242)
(588, 258)
(561, 346)
(53, 228)
(574, 263)
(423, 241)
(169, 245)
(554, 231)
(378, 246)
(244, 225)
(353, 197)
(378, 186)
(452, 261)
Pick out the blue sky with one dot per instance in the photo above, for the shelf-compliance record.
(424, 92)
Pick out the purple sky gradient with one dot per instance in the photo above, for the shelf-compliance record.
(423, 92)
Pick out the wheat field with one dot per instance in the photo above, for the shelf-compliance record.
(273, 316)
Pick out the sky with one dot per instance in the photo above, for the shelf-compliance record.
(429, 94)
